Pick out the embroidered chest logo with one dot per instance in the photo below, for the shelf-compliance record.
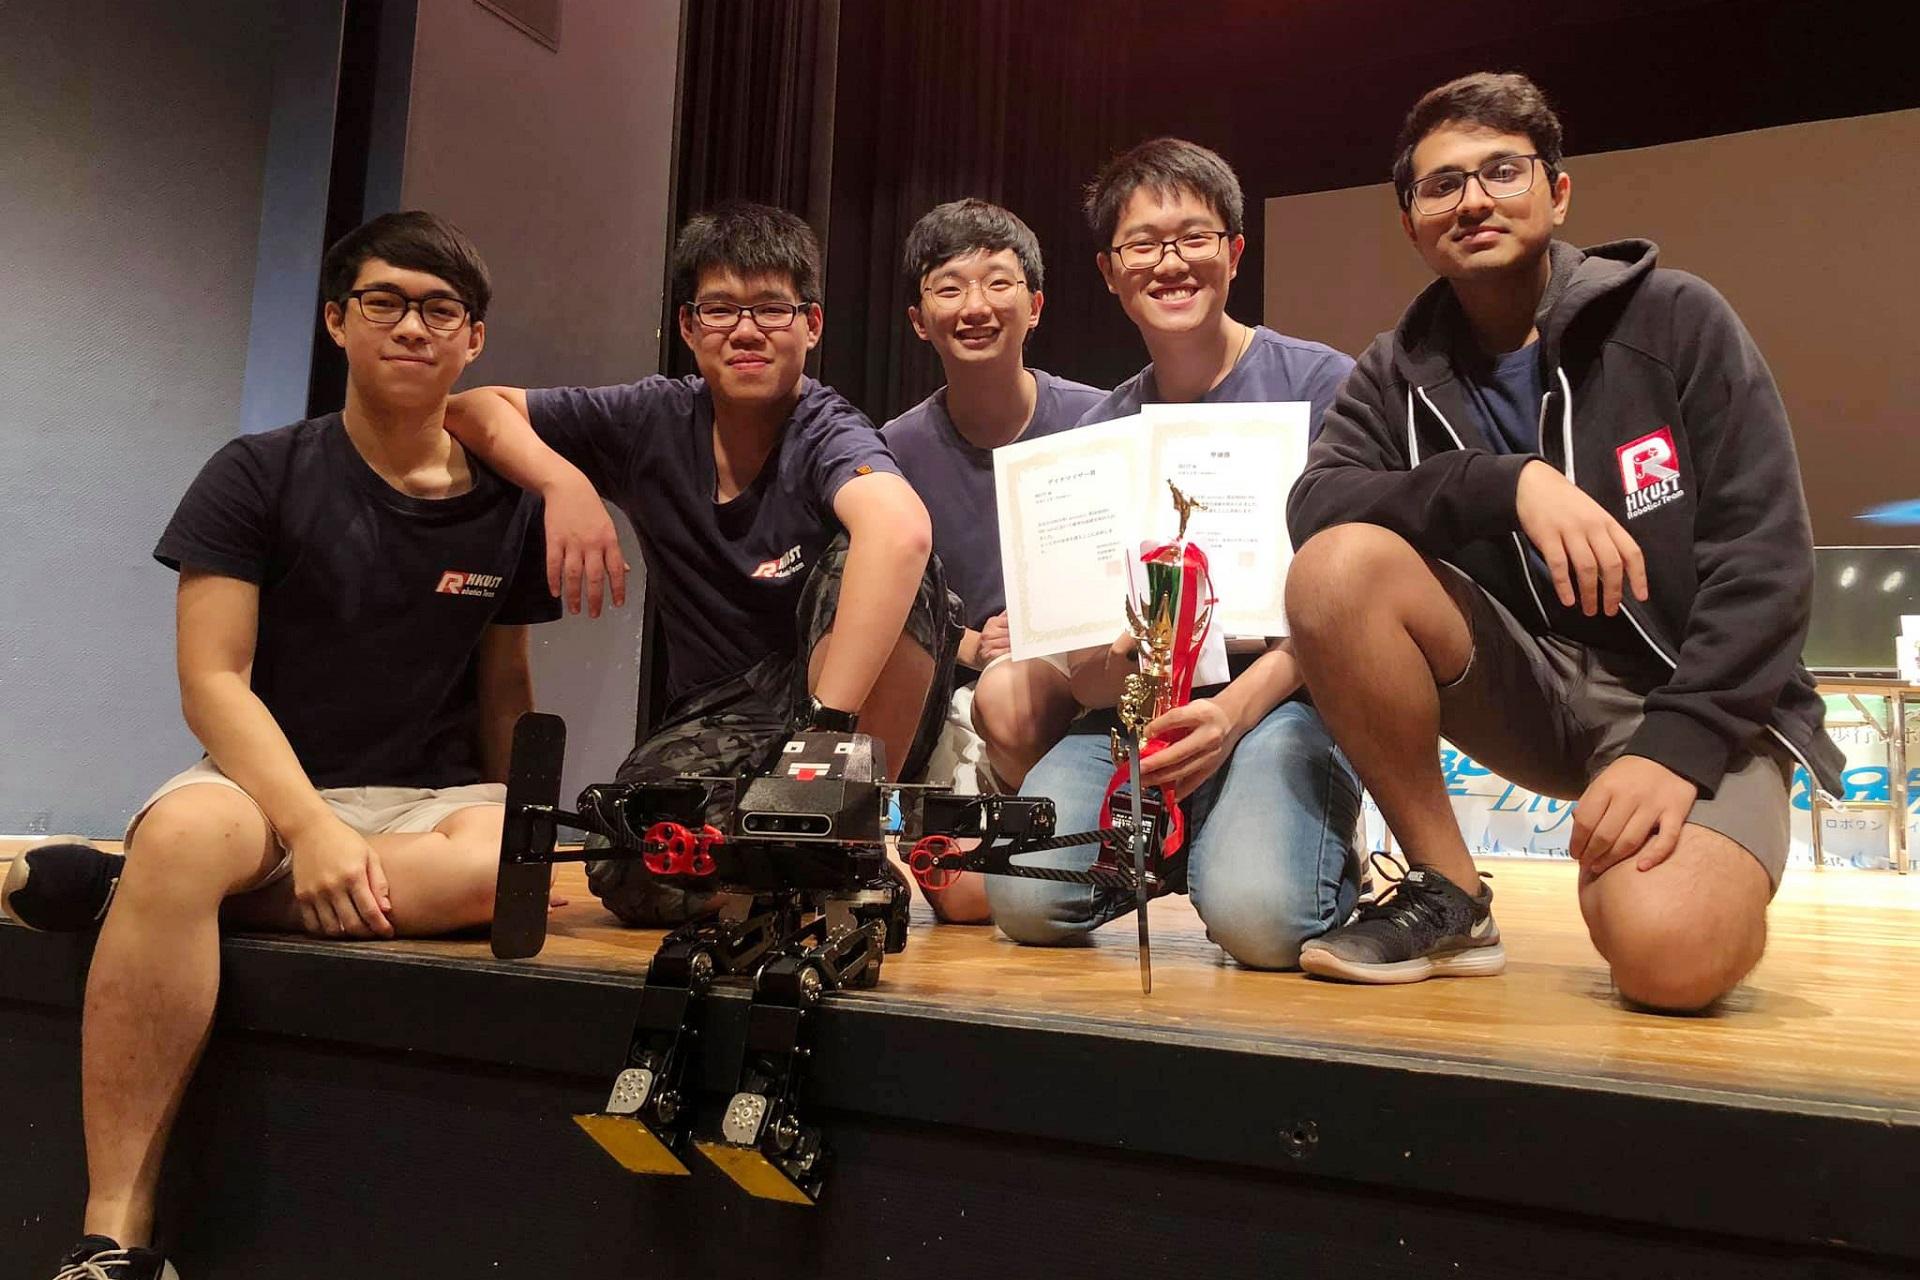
(783, 567)
(455, 583)
(1649, 472)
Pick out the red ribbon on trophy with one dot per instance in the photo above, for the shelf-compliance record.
(1169, 626)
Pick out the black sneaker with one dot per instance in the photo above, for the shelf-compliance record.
(62, 886)
(102, 1258)
(1421, 926)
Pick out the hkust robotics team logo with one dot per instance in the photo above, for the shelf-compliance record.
(1649, 472)
(455, 583)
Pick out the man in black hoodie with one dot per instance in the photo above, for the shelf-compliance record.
(1569, 485)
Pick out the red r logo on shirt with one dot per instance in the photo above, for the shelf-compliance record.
(451, 583)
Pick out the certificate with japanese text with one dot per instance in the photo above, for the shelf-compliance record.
(1075, 506)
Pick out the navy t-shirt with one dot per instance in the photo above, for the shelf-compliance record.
(726, 575)
(1506, 393)
(954, 477)
(372, 601)
(1275, 367)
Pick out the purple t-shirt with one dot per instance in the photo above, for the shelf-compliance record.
(726, 576)
(1275, 367)
(954, 478)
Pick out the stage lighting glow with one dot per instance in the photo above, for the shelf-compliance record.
(1892, 581)
(1849, 574)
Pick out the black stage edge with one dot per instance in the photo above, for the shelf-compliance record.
(370, 1112)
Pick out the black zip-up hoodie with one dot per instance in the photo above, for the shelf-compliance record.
(1660, 408)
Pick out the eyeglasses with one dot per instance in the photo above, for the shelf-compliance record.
(1502, 178)
(1192, 246)
(949, 295)
(725, 316)
(388, 307)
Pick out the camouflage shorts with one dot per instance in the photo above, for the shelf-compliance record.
(740, 722)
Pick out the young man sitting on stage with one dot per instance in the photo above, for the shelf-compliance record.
(353, 654)
(787, 557)
(976, 271)
(1569, 486)
(1272, 806)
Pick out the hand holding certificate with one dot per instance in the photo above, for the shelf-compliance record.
(1074, 508)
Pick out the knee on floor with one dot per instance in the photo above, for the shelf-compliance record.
(1663, 960)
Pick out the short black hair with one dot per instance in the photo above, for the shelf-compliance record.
(969, 226)
(1504, 101)
(749, 240)
(1167, 167)
(416, 240)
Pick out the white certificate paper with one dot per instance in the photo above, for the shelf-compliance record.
(1074, 508)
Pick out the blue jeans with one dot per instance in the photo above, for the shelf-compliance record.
(1272, 860)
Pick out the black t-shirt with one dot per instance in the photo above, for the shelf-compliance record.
(372, 602)
(726, 575)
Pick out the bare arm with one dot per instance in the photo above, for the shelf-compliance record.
(889, 539)
(506, 693)
(338, 880)
(583, 548)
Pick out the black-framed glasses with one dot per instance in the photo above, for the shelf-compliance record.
(725, 316)
(388, 307)
(948, 295)
(1191, 246)
(1502, 178)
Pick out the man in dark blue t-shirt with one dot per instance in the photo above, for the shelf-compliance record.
(353, 654)
(788, 558)
(977, 277)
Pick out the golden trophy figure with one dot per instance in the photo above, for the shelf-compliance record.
(1169, 624)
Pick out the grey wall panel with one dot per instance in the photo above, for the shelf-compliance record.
(557, 162)
(130, 177)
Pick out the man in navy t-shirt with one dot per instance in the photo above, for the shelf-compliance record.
(788, 558)
(354, 594)
(1272, 805)
(976, 271)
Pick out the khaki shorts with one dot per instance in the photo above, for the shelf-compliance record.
(371, 811)
(1550, 714)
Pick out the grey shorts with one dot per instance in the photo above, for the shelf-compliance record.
(1550, 714)
(370, 811)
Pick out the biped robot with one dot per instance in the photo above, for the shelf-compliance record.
(808, 904)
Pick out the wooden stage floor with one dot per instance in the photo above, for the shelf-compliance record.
(1831, 1017)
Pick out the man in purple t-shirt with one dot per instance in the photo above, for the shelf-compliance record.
(788, 558)
(977, 274)
(1271, 804)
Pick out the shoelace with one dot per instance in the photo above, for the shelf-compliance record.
(1398, 902)
(96, 1267)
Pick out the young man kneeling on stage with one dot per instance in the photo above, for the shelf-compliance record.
(976, 273)
(1569, 486)
(353, 600)
(787, 557)
(1271, 805)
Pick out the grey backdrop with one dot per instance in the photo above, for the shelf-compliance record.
(132, 164)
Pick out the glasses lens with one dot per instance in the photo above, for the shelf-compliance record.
(774, 315)
(717, 315)
(382, 307)
(1506, 176)
(1141, 254)
(444, 313)
(1198, 247)
(1439, 192)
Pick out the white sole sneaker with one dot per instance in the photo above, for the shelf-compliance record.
(1473, 962)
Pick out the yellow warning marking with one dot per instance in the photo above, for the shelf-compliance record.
(635, 1146)
(756, 1175)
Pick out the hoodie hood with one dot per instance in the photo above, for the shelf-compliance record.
(1423, 340)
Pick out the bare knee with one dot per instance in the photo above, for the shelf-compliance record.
(962, 902)
(196, 846)
(1665, 957)
(1343, 567)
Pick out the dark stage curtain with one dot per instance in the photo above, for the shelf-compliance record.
(756, 102)
(1015, 101)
